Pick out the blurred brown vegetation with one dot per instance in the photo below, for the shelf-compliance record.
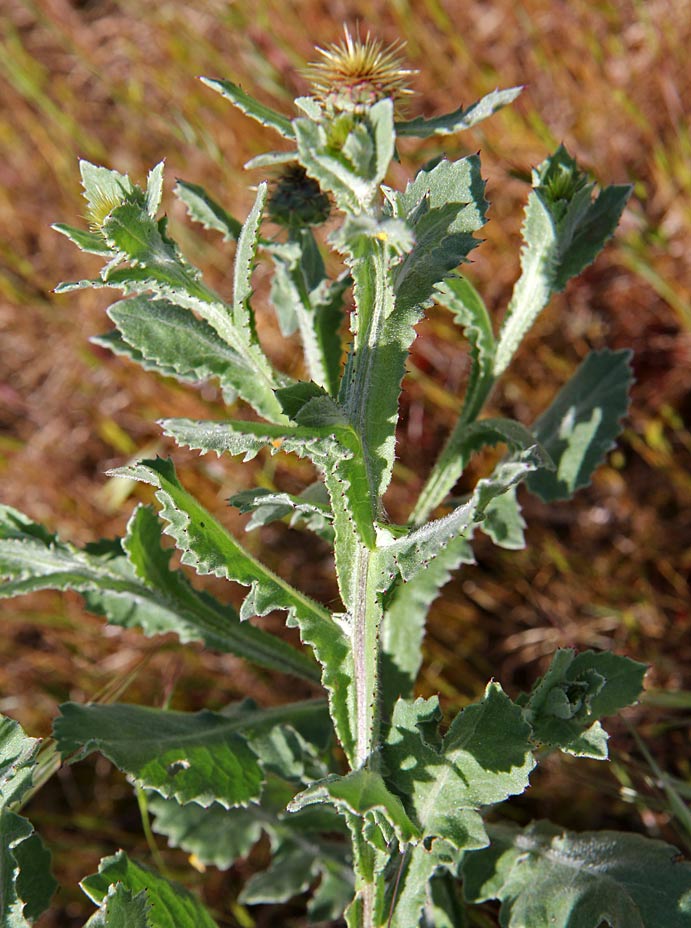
(115, 81)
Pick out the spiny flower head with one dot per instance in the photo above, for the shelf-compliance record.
(355, 73)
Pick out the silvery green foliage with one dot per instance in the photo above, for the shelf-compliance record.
(366, 804)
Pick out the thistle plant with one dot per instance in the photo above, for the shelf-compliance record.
(382, 811)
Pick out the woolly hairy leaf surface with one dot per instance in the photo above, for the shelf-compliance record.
(564, 231)
(305, 300)
(504, 523)
(156, 265)
(214, 835)
(444, 206)
(468, 309)
(465, 441)
(414, 892)
(403, 625)
(349, 155)
(245, 256)
(362, 792)
(250, 107)
(301, 853)
(410, 553)
(210, 549)
(190, 756)
(582, 423)
(123, 909)
(26, 883)
(172, 906)
(394, 277)
(578, 690)
(136, 591)
(90, 242)
(322, 436)
(204, 209)
(302, 510)
(549, 878)
(171, 340)
(484, 758)
(460, 119)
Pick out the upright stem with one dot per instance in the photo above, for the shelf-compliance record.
(366, 620)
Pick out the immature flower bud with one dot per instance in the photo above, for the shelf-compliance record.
(297, 200)
(101, 205)
(356, 74)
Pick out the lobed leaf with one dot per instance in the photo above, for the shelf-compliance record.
(582, 423)
(484, 758)
(566, 704)
(202, 208)
(123, 909)
(364, 793)
(164, 337)
(197, 757)
(546, 877)
(564, 231)
(210, 549)
(459, 119)
(26, 883)
(410, 553)
(304, 510)
(132, 586)
(171, 906)
(403, 624)
(444, 206)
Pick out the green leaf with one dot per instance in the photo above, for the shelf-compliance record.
(306, 301)
(546, 877)
(484, 758)
(136, 591)
(245, 256)
(303, 510)
(172, 906)
(210, 549)
(362, 792)
(443, 206)
(504, 523)
(468, 309)
(409, 553)
(403, 625)
(204, 209)
(582, 423)
(564, 231)
(154, 189)
(214, 835)
(301, 853)
(191, 756)
(251, 107)
(157, 265)
(348, 155)
(172, 341)
(123, 909)
(414, 896)
(459, 119)
(90, 242)
(577, 691)
(26, 883)
(294, 867)
(465, 441)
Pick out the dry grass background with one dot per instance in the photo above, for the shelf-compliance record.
(115, 81)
